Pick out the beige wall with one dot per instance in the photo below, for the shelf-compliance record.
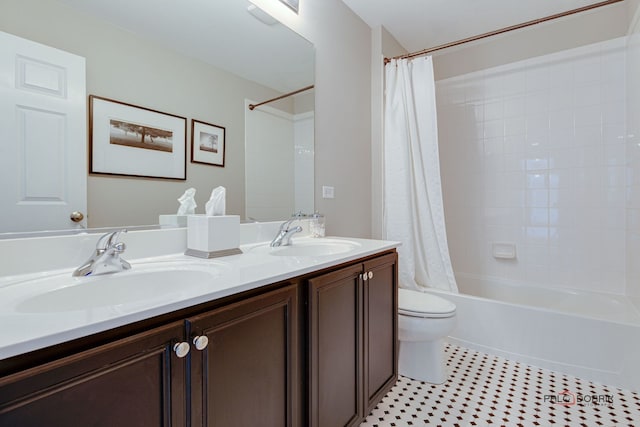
(577, 30)
(343, 109)
(126, 68)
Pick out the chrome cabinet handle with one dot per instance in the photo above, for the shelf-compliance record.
(181, 349)
(371, 275)
(201, 342)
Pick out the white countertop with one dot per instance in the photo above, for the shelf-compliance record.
(22, 331)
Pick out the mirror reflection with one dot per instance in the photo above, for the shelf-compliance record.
(201, 60)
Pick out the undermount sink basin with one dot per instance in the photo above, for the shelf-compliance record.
(118, 290)
(309, 247)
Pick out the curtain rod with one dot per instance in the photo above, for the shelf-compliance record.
(503, 30)
(286, 95)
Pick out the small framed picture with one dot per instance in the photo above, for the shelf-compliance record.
(125, 139)
(207, 143)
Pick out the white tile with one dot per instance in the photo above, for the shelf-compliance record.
(476, 394)
(613, 91)
(536, 216)
(561, 98)
(537, 78)
(515, 125)
(561, 120)
(536, 163)
(537, 180)
(588, 116)
(586, 71)
(493, 128)
(515, 106)
(537, 102)
(590, 134)
(615, 154)
(613, 113)
(587, 95)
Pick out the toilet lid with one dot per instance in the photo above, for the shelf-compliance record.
(423, 304)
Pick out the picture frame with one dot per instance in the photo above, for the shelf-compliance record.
(292, 4)
(130, 140)
(207, 143)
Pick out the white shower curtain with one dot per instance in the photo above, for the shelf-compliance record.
(413, 208)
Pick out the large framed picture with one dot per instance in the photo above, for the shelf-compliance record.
(126, 139)
(207, 143)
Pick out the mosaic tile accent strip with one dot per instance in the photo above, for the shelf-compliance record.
(486, 390)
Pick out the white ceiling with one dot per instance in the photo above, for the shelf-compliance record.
(421, 24)
(219, 32)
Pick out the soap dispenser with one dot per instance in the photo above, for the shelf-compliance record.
(316, 225)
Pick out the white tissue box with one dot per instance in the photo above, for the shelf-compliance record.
(212, 236)
(173, 220)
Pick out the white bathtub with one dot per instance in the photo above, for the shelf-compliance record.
(590, 335)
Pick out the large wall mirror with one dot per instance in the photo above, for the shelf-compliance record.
(203, 60)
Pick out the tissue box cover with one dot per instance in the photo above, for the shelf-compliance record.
(213, 233)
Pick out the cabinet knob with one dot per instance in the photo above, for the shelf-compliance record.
(370, 275)
(201, 342)
(364, 276)
(181, 349)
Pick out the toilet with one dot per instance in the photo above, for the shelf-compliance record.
(424, 320)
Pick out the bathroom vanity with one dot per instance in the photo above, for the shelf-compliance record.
(311, 345)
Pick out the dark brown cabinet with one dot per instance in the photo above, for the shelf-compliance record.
(136, 381)
(353, 341)
(247, 374)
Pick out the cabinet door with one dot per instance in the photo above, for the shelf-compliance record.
(137, 381)
(248, 373)
(381, 328)
(335, 343)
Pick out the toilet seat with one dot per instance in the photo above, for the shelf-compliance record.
(422, 304)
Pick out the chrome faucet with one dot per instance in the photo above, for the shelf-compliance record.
(106, 258)
(284, 234)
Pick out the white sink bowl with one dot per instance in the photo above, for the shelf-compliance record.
(117, 291)
(309, 247)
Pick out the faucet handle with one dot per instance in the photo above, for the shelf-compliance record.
(119, 247)
(110, 240)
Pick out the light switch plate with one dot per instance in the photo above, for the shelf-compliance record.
(327, 192)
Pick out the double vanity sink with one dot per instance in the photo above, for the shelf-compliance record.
(53, 306)
(152, 282)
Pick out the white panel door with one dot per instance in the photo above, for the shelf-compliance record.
(43, 160)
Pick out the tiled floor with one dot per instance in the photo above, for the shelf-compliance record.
(485, 390)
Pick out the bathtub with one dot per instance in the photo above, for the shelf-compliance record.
(593, 336)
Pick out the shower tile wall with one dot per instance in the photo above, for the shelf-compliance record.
(633, 166)
(533, 153)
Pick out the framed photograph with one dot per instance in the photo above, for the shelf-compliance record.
(207, 143)
(293, 4)
(129, 140)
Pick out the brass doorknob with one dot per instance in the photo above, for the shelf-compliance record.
(76, 216)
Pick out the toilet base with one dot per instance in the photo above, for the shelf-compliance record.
(423, 361)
